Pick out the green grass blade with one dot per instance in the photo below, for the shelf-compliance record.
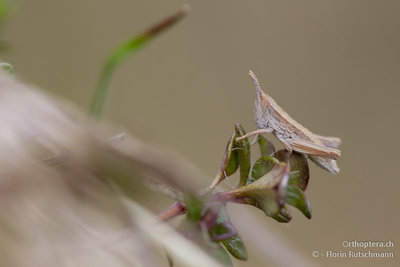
(4, 8)
(8, 68)
(124, 51)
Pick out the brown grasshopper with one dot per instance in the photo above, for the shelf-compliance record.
(271, 118)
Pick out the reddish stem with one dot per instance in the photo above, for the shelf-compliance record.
(179, 208)
(227, 196)
(176, 209)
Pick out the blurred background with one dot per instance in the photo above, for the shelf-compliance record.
(333, 65)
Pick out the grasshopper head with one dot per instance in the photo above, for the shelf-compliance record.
(262, 111)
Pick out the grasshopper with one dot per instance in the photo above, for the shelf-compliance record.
(271, 118)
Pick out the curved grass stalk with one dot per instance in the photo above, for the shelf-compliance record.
(122, 52)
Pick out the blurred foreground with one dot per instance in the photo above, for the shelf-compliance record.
(67, 189)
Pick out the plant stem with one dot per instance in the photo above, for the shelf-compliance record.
(179, 208)
(122, 52)
(176, 209)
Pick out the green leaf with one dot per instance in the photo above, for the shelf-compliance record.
(280, 214)
(233, 164)
(233, 244)
(283, 215)
(299, 171)
(295, 197)
(230, 162)
(243, 148)
(266, 146)
(194, 206)
(7, 67)
(122, 52)
(267, 193)
(261, 167)
(4, 9)
(220, 254)
(236, 247)
(201, 238)
(298, 181)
